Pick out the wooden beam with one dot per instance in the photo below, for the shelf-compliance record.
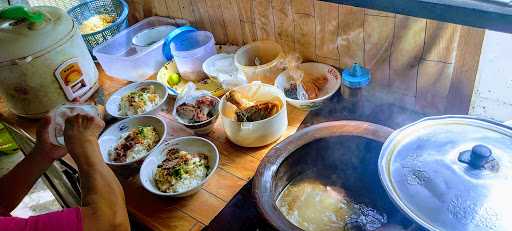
(409, 38)
(441, 41)
(490, 14)
(264, 20)
(378, 38)
(465, 70)
(433, 84)
(326, 17)
(350, 40)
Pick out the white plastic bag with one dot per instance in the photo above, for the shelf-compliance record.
(293, 61)
(223, 67)
(230, 81)
(59, 115)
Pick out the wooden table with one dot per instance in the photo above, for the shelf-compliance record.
(237, 165)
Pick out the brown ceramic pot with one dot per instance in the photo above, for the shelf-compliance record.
(347, 151)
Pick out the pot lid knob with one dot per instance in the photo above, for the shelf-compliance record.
(480, 158)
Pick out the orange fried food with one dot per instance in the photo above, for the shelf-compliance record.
(257, 112)
(314, 85)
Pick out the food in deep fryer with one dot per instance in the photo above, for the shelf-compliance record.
(248, 111)
(138, 101)
(181, 171)
(202, 109)
(96, 23)
(134, 144)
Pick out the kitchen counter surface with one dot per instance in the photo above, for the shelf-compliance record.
(226, 202)
(236, 167)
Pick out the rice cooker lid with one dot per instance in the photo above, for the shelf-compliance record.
(451, 172)
(28, 31)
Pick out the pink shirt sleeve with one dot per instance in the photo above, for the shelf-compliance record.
(64, 220)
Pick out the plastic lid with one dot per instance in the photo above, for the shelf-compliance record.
(24, 32)
(355, 77)
(451, 173)
(166, 48)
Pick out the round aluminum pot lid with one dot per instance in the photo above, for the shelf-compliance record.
(451, 173)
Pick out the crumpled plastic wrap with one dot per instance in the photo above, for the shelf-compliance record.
(293, 61)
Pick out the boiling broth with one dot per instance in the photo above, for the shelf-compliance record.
(312, 204)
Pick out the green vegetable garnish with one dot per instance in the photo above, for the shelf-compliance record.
(178, 172)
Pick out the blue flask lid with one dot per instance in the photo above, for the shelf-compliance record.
(356, 77)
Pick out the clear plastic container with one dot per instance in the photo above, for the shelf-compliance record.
(190, 51)
(120, 58)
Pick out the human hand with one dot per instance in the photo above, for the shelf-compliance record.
(81, 130)
(43, 145)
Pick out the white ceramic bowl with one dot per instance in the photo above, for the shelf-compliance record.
(192, 144)
(110, 137)
(204, 127)
(315, 69)
(258, 133)
(112, 105)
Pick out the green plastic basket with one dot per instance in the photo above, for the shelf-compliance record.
(85, 10)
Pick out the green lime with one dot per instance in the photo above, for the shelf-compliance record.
(173, 79)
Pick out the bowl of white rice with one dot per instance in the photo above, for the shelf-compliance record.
(140, 98)
(127, 142)
(179, 167)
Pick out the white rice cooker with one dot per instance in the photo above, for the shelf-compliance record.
(44, 61)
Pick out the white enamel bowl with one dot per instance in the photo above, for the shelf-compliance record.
(258, 133)
(112, 135)
(191, 144)
(312, 69)
(112, 105)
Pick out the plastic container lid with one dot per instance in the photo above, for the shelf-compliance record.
(166, 48)
(357, 76)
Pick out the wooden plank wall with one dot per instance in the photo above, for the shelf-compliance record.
(411, 59)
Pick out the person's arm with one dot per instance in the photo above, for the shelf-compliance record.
(103, 203)
(15, 185)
